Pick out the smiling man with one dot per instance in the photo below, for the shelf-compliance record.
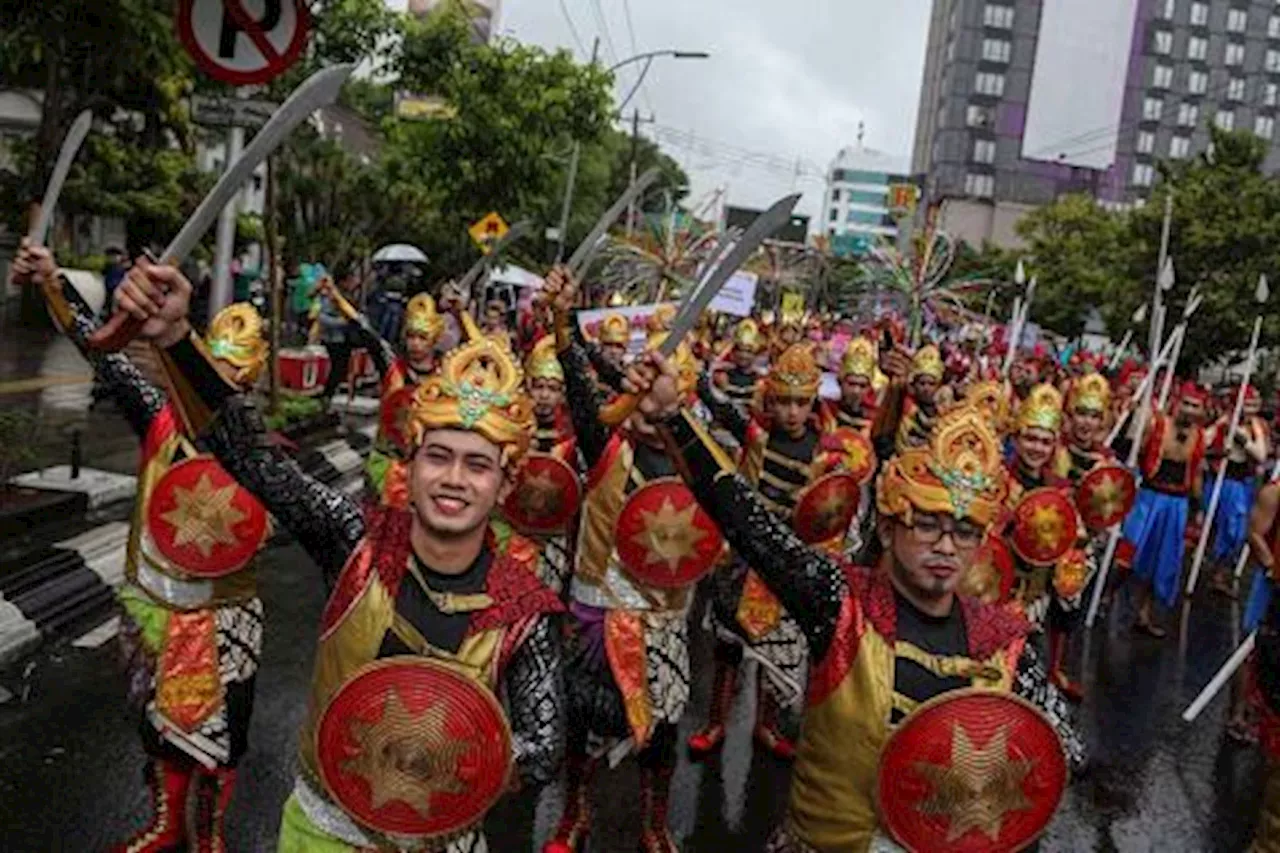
(433, 611)
(882, 641)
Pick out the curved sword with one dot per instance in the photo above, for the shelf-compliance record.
(697, 300)
(587, 249)
(319, 90)
(70, 147)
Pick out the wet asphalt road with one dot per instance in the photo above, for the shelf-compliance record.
(70, 765)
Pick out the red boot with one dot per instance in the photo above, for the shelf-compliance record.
(711, 738)
(768, 733)
(169, 784)
(213, 795)
(1057, 651)
(655, 788)
(575, 823)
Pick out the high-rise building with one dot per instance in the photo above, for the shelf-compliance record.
(1025, 100)
(866, 192)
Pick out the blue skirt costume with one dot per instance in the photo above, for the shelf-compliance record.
(1231, 522)
(1156, 526)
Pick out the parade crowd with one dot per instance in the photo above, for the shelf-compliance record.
(550, 504)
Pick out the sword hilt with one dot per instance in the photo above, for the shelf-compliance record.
(122, 327)
(617, 410)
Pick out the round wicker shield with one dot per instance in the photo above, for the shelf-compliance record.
(971, 770)
(202, 521)
(664, 539)
(1045, 525)
(414, 749)
(545, 497)
(826, 507)
(1105, 496)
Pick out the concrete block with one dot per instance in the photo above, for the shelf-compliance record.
(101, 487)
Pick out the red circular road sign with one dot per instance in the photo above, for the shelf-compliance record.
(243, 42)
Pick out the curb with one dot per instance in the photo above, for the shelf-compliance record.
(66, 591)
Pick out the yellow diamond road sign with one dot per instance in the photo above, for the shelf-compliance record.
(490, 227)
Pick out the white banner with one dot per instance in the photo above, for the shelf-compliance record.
(738, 296)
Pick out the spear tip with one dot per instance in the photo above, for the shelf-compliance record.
(1263, 292)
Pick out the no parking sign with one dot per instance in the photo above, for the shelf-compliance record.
(243, 42)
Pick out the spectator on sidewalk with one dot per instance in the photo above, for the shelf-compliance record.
(334, 332)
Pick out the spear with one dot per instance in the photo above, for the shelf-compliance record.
(1021, 305)
(1180, 332)
(1260, 295)
(1136, 320)
(1165, 280)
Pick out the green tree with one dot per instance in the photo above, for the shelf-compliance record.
(1081, 255)
(519, 109)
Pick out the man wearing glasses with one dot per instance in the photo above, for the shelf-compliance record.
(883, 641)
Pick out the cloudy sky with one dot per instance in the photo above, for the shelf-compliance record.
(785, 88)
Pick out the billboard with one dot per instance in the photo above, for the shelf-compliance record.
(1084, 46)
(795, 231)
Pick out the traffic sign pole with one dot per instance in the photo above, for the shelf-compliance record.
(222, 293)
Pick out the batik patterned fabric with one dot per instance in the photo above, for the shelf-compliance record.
(179, 665)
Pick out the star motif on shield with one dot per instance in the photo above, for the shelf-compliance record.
(669, 535)
(831, 510)
(978, 788)
(1107, 497)
(204, 516)
(407, 757)
(539, 496)
(1046, 521)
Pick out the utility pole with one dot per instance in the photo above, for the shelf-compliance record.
(567, 207)
(635, 153)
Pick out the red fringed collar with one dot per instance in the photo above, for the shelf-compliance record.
(988, 627)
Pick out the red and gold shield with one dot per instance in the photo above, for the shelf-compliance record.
(411, 747)
(826, 507)
(851, 451)
(972, 770)
(664, 539)
(546, 496)
(202, 521)
(991, 575)
(1105, 496)
(1044, 526)
(393, 418)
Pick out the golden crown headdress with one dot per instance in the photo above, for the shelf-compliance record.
(960, 473)
(1042, 409)
(542, 362)
(685, 364)
(422, 318)
(1092, 392)
(795, 373)
(859, 358)
(477, 388)
(660, 319)
(615, 329)
(747, 336)
(235, 339)
(990, 398)
(927, 362)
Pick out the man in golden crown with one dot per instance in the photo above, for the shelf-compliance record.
(434, 611)
(858, 396)
(640, 548)
(1247, 449)
(544, 503)
(740, 377)
(1044, 532)
(886, 644)
(779, 458)
(920, 408)
(191, 622)
(1088, 409)
(387, 465)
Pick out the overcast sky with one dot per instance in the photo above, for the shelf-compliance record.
(787, 80)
